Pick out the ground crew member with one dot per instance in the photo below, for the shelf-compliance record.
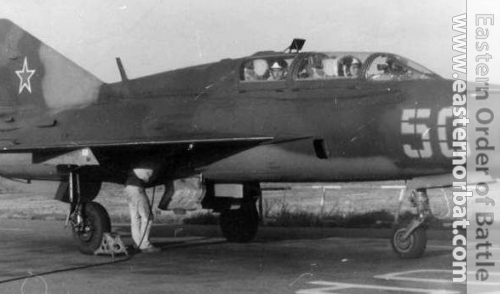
(141, 216)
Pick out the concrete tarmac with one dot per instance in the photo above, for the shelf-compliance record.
(40, 257)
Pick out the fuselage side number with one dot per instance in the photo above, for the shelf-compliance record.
(417, 122)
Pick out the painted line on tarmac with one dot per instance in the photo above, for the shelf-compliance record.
(400, 276)
(332, 287)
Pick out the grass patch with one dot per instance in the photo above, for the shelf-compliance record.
(296, 219)
(378, 218)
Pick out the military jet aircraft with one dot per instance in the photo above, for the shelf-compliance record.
(287, 116)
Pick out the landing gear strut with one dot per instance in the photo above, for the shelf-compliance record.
(410, 241)
(89, 220)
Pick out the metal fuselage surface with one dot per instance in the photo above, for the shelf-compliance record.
(208, 119)
(361, 126)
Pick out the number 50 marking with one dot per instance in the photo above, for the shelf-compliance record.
(414, 121)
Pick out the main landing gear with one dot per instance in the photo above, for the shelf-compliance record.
(240, 225)
(89, 220)
(239, 217)
(410, 241)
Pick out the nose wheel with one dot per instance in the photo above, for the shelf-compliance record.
(409, 245)
(410, 241)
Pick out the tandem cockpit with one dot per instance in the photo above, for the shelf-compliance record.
(267, 67)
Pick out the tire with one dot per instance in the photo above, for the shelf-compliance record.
(96, 222)
(241, 225)
(411, 247)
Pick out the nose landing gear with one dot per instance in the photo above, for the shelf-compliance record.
(410, 241)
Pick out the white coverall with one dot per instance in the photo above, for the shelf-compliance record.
(141, 217)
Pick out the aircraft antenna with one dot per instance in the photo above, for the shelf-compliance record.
(123, 74)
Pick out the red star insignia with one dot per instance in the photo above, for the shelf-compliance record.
(24, 76)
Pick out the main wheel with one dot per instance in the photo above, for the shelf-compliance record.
(411, 247)
(95, 223)
(240, 225)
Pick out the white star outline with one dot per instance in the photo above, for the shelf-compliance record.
(25, 75)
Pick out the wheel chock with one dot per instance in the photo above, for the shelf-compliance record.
(111, 244)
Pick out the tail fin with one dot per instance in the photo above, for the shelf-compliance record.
(34, 75)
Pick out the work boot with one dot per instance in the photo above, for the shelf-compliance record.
(151, 249)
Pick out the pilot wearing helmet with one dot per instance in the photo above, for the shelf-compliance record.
(249, 72)
(351, 67)
(277, 72)
(355, 68)
(389, 69)
(316, 64)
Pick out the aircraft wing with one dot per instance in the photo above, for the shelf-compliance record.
(110, 152)
(111, 159)
(9, 146)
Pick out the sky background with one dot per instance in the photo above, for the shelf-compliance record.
(153, 36)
